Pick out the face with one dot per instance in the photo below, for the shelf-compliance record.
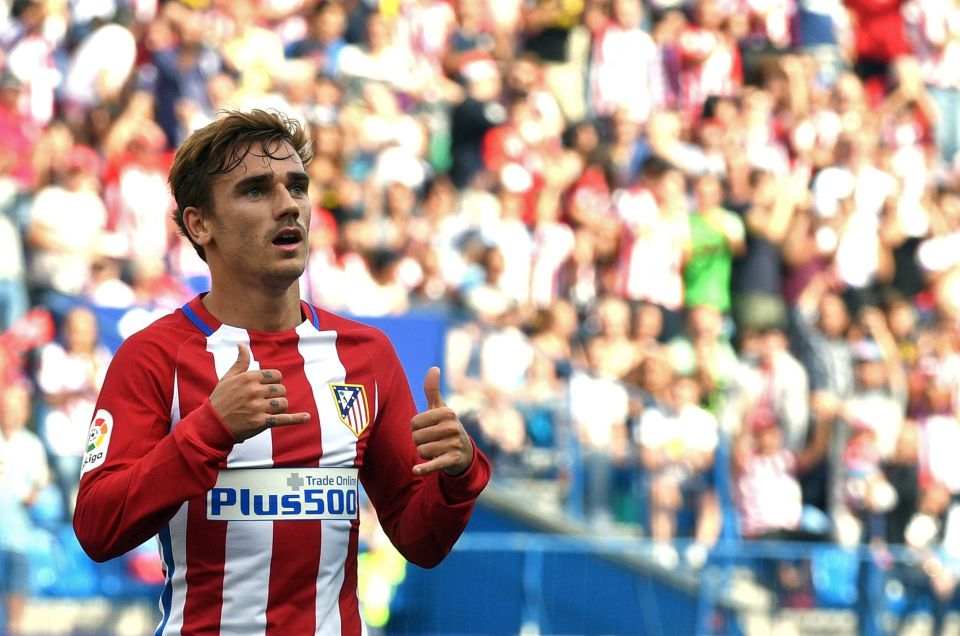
(80, 330)
(615, 317)
(686, 392)
(657, 373)
(14, 409)
(871, 375)
(256, 232)
(564, 318)
(833, 315)
(332, 23)
(708, 192)
(649, 322)
(629, 13)
(705, 321)
(767, 439)
(523, 76)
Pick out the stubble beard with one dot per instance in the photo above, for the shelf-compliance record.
(285, 274)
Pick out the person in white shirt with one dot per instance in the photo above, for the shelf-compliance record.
(677, 446)
(23, 473)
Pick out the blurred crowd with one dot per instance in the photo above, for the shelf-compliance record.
(714, 245)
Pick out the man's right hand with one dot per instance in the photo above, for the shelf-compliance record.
(249, 402)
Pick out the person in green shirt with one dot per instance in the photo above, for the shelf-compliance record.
(717, 236)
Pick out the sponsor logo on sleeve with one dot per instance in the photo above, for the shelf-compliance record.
(351, 401)
(98, 440)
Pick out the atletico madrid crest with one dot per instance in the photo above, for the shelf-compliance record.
(351, 401)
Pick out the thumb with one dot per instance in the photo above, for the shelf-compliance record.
(431, 388)
(242, 363)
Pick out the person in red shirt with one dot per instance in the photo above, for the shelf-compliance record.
(249, 405)
(880, 36)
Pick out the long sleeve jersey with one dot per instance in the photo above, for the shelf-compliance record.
(260, 537)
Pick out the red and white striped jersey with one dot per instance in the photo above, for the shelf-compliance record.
(156, 450)
(626, 71)
(710, 65)
(768, 494)
(652, 249)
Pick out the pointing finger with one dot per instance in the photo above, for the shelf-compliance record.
(286, 419)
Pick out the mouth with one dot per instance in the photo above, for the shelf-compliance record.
(288, 238)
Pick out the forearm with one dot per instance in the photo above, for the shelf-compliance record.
(119, 506)
(426, 517)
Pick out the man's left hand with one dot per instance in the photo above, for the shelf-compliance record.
(438, 434)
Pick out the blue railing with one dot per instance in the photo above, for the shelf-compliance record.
(532, 583)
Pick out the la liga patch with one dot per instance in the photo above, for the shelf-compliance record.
(98, 440)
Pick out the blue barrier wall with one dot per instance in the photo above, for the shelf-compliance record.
(508, 577)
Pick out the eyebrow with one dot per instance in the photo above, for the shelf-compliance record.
(293, 176)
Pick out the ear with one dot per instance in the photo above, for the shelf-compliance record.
(197, 224)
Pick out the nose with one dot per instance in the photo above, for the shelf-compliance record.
(286, 204)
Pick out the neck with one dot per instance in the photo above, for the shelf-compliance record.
(256, 309)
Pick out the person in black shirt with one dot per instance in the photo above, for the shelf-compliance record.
(470, 120)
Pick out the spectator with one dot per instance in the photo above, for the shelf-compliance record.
(18, 136)
(325, 39)
(615, 353)
(553, 242)
(766, 480)
(23, 474)
(66, 223)
(770, 379)
(878, 403)
(99, 69)
(559, 337)
(822, 321)
(512, 237)
(621, 48)
(69, 376)
(879, 36)
(709, 59)
(549, 28)
(30, 57)
(105, 288)
(381, 59)
(473, 31)
(937, 550)
(825, 35)
(677, 441)
(656, 240)
(716, 238)
(705, 352)
(934, 29)
(382, 292)
(933, 528)
(249, 49)
(756, 283)
(13, 290)
(183, 63)
(599, 407)
(866, 491)
(470, 120)
(524, 79)
(135, 186)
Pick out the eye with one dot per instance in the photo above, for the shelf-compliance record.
(298, 189)
(255, 191)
